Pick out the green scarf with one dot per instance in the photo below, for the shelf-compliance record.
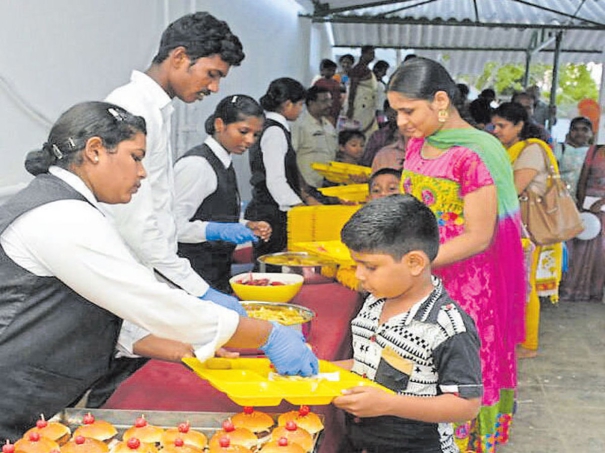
(493, 155)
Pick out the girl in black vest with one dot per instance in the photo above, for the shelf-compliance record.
(207, 204)
(276, 182)
(67, 280)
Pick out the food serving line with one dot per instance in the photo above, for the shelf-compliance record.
(165, 386)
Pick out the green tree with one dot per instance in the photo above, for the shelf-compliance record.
(575, 81)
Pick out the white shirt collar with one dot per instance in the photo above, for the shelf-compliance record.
(281, 119)
(75, 182)
(219, 151)
(153, 89)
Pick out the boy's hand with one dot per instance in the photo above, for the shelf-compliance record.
(363, 401)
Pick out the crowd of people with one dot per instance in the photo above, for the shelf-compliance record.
(136, 257)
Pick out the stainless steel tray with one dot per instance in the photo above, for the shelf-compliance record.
(205, 422)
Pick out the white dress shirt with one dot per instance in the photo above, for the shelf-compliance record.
(76, 243)
(275, 146)
(147, 224)
(194, 181)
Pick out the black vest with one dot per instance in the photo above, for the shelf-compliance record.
(258, 180)
(212, 259)
(54, 344)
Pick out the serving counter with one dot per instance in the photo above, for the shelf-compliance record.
(168, 386)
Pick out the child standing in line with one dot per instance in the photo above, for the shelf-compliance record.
(384, 182)
(409, 336)
(350, 146)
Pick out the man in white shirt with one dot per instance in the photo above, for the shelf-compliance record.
(313, 136)
(195, 52)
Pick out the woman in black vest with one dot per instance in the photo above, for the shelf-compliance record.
(67, 280)
(207, 205)
(276, 182)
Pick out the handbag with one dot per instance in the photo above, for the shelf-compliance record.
(552, 217)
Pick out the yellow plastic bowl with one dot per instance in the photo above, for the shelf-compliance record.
(281, 293)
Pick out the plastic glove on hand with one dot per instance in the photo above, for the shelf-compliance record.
(229, 232)
(224, 300)
(287, 350)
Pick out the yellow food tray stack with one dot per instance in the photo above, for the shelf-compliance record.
(341, 173)
(317, 223)
(253, 382)
(353, 193)
(338, 252)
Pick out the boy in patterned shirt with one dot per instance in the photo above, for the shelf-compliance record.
(409, 336)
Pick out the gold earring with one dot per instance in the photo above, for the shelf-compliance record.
(442, 116)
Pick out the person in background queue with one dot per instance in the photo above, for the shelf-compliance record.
(207, 202)
(196, 51)
(528, 155)
(276, 182)
(65, 288)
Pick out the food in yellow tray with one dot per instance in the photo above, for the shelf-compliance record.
(144, 431)
(293, 259)
(303, 418)
(189, 436)
(56, 431)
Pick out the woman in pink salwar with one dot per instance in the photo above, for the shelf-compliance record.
(464, 176)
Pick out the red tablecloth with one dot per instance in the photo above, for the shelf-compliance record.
(173, 387)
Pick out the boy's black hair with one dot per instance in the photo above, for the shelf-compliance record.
(347, 134)
(202, 35)
(384, 171)
(347, 56)
(394, 225)
(326, 63)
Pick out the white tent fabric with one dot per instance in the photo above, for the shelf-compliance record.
(466, 34)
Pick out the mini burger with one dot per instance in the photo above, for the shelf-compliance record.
(303, 418)
(224, 446)
(96, 429)
(134, 445)
(295, 434)
(56, 431)
(144, 432)
(189, 436)
(35, 443)
(236, 436)
(282, 445)
(258, 422)
(81, 444)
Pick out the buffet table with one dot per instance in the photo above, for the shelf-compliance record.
(173, 387)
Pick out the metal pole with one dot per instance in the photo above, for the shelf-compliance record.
(555, 82)
(527, 64)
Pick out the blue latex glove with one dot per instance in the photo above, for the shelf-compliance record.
(287, 350)
(230, 232)
(224, 300)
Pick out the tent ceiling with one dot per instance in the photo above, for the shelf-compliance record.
(466, 34)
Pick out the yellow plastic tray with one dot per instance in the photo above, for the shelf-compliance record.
(340, 172)
(357, 193)
(334, 250)
(246, 382)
